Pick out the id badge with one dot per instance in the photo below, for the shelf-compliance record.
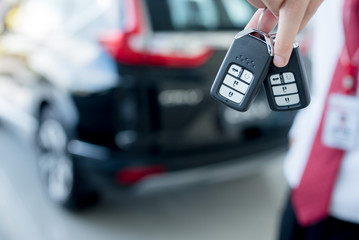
(340, 128)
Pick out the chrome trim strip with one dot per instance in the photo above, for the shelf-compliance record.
(244, 32)
(88, 150)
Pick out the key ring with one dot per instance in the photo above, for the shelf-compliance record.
(260, 19)
(266, 37)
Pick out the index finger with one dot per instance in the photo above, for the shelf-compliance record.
(268, 22)
(290, 18)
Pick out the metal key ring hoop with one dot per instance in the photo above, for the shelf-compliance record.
(260, 19)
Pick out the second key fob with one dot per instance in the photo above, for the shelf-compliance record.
(243, 69)
(287, 87)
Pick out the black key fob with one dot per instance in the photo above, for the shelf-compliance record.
(243, 69)
(287, 87)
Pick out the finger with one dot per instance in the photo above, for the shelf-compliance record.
(291, 16)
(257, 3)
(312, 8)
(273, 6)
(268, 22)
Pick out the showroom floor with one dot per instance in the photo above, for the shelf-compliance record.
(242, 207)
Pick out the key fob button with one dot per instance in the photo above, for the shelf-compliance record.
(235, 70)
(285, 89)
(275, 79)
(287, 100)
(236, 84)
(247, 76)
(288, 77)
(230, 94)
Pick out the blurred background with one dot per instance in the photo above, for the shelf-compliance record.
(108, 130)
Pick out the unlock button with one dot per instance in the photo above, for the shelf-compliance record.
(285, 89)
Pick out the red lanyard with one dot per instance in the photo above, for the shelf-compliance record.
(350, 59)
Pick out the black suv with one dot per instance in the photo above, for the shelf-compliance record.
(118, 90)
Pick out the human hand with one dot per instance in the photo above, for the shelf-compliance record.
(291, 15)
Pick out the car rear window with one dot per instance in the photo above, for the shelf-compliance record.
(199, 15)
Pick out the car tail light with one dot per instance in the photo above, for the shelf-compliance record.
(132, 175)
(129, 45)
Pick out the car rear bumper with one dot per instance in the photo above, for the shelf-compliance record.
(102, 166)
(219, 172)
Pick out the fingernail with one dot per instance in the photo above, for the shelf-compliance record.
(278, 61)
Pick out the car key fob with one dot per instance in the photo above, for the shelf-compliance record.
(243, 69)
(287, 87)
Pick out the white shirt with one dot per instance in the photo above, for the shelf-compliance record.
(328, 40)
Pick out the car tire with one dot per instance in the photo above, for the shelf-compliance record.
(58, 172)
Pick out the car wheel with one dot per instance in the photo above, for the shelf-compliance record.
(57, 170)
